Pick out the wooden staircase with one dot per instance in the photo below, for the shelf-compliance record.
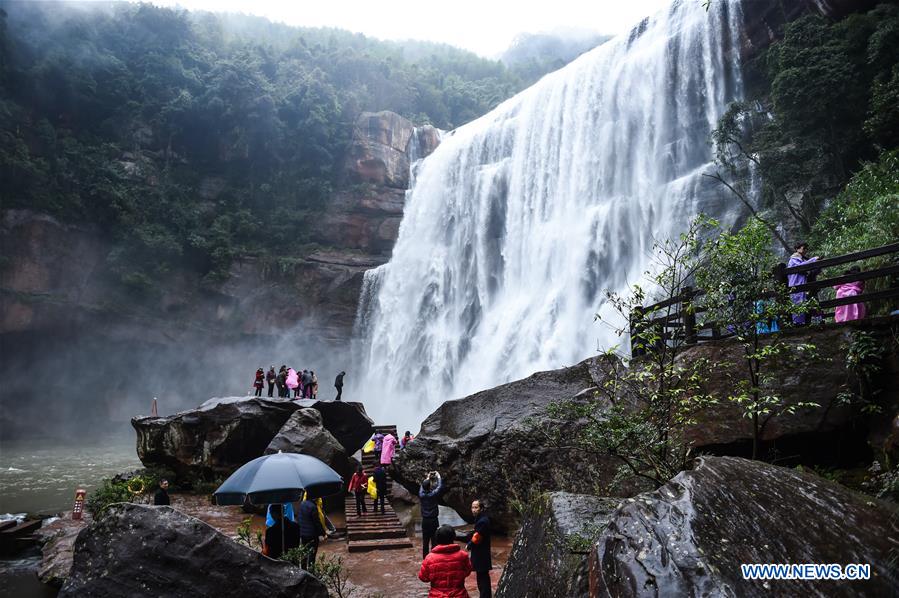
(374, 531)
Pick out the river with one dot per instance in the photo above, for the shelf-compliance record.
(38, 477)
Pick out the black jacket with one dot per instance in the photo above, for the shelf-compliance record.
(273, 537)
(161, 497)
(380, 477)
(480, 551)
(338, 381)
(310, 524)
(429, 500)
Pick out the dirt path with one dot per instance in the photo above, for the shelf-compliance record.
(387, 572)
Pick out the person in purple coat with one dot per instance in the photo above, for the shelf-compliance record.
(798, 259)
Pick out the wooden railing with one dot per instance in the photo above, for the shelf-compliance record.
(675, 317)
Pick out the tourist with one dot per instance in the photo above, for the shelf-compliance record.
(406, 439)
(282, 536)
(793, 280)
(281, 381)
(357, 486)
(379, 443)
(388, 449)
(446, 567)
(314, 386)
(270, 377)
(338, 384)
(162, 493)
(311, 529)
(429, 495)
(306, 380)
(293, 382)
(853, 311)
(479, 547)
(259, 382)
(288, 512)
(380, 477)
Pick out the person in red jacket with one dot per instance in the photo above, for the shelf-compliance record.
(358, 485)
(259, 382)
(446, 566)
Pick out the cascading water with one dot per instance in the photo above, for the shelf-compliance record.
(519, 221)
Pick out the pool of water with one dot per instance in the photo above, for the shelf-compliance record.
(40, 476)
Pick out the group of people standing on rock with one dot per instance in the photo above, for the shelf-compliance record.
(292, 383)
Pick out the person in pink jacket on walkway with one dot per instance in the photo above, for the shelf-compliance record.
(853, 311)
(388, 448)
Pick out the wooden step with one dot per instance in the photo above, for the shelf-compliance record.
(385, 544)
(5, 525)
(376, 534)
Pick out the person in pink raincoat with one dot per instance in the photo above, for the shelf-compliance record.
(853, 311)
(388, 448)
(292, 382)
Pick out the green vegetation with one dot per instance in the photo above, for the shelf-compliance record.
(252, 538)
(736, 273)
(864, 214)
(641, 410)
(191, 138)
(328, 568)
(823, 101)
(138, 488)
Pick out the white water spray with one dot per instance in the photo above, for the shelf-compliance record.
(519, 220)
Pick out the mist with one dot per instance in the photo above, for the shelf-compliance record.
(69, 385)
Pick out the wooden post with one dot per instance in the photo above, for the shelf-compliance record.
(688, 316)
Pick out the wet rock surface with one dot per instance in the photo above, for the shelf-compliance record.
(689, 537)
(304, 433)
(224, 433)
(820, 380)
(214, 439)
(138, 550)
(346, 420)
(485, 447)
(549, 555)
(59, 547)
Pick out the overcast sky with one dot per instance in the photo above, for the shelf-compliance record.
(483, 26)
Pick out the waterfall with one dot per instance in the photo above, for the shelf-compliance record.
(519, 221)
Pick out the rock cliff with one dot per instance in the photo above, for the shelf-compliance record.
(690, 537)
(64, 312)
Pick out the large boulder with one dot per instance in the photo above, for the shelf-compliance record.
(212, 440)
(346, 420)
(690, 537)
(489, 446)
(137, 550)
(304, 433)
(812, 433)
(224, 433)
(549, 556)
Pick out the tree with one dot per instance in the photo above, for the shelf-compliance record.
(741, 294)
(642, 407)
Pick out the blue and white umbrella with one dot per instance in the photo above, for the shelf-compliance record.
(279, 478)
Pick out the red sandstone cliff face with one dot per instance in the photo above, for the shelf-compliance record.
(54, 276)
